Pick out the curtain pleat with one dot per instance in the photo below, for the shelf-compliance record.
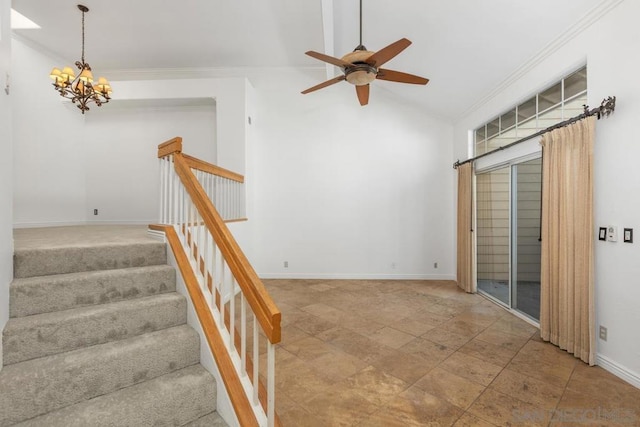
(466, 258)
(567, 308)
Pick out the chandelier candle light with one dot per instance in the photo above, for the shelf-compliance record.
(81, 89)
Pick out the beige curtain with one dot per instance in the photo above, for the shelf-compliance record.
(566, 300)
(466, 281)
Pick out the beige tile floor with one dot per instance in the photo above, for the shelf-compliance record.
(423, 353)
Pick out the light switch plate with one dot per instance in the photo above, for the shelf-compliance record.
(612, 233)
(628, 235)
(602, 234)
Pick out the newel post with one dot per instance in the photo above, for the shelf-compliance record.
(169, 147)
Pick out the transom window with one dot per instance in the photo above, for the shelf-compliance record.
(560, 101)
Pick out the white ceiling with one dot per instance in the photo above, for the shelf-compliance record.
(466, 47)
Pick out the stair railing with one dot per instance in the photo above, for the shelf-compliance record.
(196, 200)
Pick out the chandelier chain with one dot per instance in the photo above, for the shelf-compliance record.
(83, 37)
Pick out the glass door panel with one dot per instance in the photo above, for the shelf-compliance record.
(492, 231)
(525, 278)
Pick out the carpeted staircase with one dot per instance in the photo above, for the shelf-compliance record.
(97, 336)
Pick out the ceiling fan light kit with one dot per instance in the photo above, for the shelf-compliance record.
(362, 66)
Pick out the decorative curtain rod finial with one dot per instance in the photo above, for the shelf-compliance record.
(607, 106)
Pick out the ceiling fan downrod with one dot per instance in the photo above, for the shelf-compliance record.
(360, 46)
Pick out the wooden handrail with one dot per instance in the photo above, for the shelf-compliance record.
(201, 165)
(264, 308)
(174, 145)
(233, 385)
(200, 262)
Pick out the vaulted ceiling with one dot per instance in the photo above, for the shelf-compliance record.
(466, 47)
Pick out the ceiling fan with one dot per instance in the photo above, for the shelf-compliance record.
(362, 66)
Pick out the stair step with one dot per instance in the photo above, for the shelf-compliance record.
(173, 399)
(31, 262)
(210, 420)
(46, 334)
(45, 294)
(38, 386)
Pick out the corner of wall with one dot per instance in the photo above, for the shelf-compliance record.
(6, 168)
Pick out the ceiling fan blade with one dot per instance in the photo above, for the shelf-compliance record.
(397, 76)
(324, 84)
(330, 59)
(363, 94)
(387, 53)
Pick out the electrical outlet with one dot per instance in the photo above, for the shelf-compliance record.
(286, 264)
(603, 333)
(95, 211)
(435, 265)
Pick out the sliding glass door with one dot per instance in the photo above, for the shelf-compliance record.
(493, 231)
(508, 235)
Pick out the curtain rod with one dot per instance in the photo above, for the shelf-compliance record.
(607, 106)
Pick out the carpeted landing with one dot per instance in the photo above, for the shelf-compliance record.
(97, 334)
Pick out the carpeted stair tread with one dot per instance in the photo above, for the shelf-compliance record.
(38, 386)
(45, 294)
(31, 262)
(210, 420)
(51, 333)
(173, 399)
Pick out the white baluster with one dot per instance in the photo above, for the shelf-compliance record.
(271, 380)
(222, 274)
(229, 211)
(175, 191)
(209, 185)
(243, 334)
(205, 259)
(217, 185)
(232, 315)
(198, 244)
(192, 233)
(183, 212)
(168, 185)
(236, 203)
(162, 189)
(256, 359)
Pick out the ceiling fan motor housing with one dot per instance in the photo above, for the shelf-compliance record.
(361, 73)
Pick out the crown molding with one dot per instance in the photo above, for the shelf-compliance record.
(592, 16)
(39, 48)
(202, 73)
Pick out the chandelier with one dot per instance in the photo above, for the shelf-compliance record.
(81, 90)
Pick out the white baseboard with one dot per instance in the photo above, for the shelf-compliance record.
(74, 223)
(157, 235)
(47, 224)
(364, 276)
(125, 222)
(619, 371)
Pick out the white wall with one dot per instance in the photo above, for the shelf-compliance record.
(344, 191)
(6, 166)
(609, 46)
(121, 163)
(49, 155)
(231, 109)
(66, 164)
